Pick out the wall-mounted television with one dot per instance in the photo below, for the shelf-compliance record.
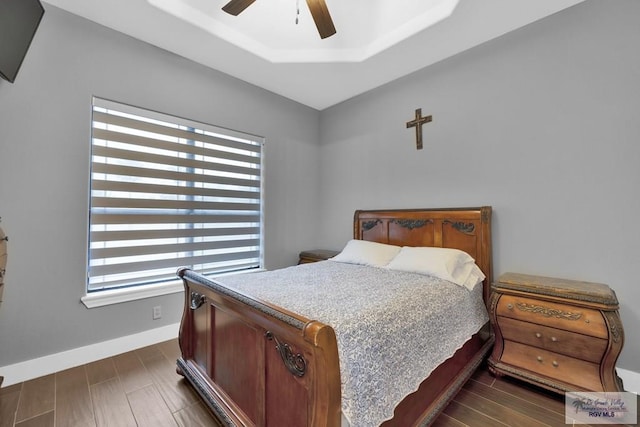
(19, 20)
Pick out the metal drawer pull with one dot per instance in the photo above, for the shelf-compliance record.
(555, 364)
(539, 359)
(510, 306)
(554, 339)
(538, 335)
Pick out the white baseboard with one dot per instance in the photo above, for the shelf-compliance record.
(52, 363)
(46, 365)
(630, 379)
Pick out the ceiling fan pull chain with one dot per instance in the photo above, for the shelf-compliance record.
(297, 10)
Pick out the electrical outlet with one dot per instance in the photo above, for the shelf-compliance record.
(157, 312)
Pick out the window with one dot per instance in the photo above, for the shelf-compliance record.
(168, 192)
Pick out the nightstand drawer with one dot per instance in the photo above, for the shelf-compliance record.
(552, 339)
(553, 365)
(571, 318)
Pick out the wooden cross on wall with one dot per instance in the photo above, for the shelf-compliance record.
(417, 123)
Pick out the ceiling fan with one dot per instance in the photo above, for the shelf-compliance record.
(318, 9)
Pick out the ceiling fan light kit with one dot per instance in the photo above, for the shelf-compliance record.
(318, 9)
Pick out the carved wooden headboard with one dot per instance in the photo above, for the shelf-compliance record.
(467, 229)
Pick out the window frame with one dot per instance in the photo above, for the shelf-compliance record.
(101, 297)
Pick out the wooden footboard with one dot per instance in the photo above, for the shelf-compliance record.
(255, 364)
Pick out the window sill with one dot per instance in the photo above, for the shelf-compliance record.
(117, 296)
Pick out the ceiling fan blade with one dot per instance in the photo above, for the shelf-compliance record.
(322, 18)
(234, 7)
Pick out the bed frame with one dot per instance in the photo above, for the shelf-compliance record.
(256, 364)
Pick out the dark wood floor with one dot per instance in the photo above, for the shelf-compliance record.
(138, 388)
(141, 388)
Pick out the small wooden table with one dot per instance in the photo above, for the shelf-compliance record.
(315, 255)
(563, 335)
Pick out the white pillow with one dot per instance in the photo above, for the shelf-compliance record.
(472, 272)
(367, 253)
(449, 264)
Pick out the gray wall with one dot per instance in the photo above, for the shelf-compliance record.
(541, 123)
(44, 173)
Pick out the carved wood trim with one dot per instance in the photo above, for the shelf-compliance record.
(500, 367)
(615, 325)
(463, 227)
(485, 214)
(548, 312)
(368, 225)
(560, 294)
(296, 364)
(412, 223)
(196, 300)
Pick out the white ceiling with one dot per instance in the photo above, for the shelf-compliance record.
(269, 29)
(377, 41)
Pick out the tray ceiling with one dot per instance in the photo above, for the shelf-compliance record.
(377, 41)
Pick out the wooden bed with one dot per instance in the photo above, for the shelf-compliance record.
(229, 339)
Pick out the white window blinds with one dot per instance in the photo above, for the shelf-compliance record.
(169, 192)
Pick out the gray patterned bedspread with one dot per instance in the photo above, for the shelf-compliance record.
(379, 316)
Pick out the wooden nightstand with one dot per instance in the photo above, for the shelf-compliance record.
(563, 335)
(316, 255)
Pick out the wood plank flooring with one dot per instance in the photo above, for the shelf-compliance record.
(141, 388)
